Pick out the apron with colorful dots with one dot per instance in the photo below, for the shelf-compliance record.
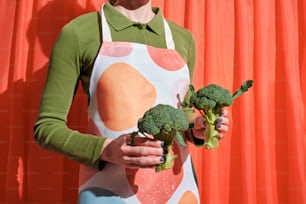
(128, 79)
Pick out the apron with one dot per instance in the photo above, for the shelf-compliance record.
(127, 79)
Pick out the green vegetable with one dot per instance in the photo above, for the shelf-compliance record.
(164, 122)
(209, 101)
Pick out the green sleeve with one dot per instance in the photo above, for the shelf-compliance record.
(51, 131)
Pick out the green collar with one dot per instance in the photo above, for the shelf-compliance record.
(121, 22)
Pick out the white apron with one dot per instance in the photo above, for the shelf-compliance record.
(128, 79)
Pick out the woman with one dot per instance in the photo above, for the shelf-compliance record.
(128, 58)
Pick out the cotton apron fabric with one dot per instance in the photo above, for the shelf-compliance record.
(128, 79)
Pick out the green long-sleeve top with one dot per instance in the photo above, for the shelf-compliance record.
(72, 61)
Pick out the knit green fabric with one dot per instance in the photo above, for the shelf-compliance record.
(72, 61)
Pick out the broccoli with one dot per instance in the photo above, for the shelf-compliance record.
(164, 122)
(209, 101)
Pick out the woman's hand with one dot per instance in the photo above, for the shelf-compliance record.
(222, 125)
(144, 153)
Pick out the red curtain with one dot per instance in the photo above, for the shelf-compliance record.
(261, 160)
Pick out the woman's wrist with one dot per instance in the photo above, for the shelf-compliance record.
(105, 144)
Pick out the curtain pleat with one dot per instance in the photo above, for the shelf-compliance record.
(262, 159)
(264, 74)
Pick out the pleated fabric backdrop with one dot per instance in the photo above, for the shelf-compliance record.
(261, 160)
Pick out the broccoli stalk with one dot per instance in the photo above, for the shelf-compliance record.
(209, 101)
(210, 130)
(169, 157)
(244, 87)
(165, 123)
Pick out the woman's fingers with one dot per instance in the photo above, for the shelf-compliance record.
(220, 136)
(143, 161)
(144, 153)
(144, 150)
(147, 141)
(224, 112)
(222, 124)
(223, 121)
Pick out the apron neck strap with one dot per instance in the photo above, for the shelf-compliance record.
(107, 37)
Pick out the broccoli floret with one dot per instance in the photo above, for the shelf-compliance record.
(164, 122)
(211, 97)
(209, 101)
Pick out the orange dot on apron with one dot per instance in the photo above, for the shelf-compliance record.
(167, 59)
(188, 198)
(143, 181)
(123, 95)
(118, 49)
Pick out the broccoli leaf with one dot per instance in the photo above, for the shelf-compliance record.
(180, 139)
